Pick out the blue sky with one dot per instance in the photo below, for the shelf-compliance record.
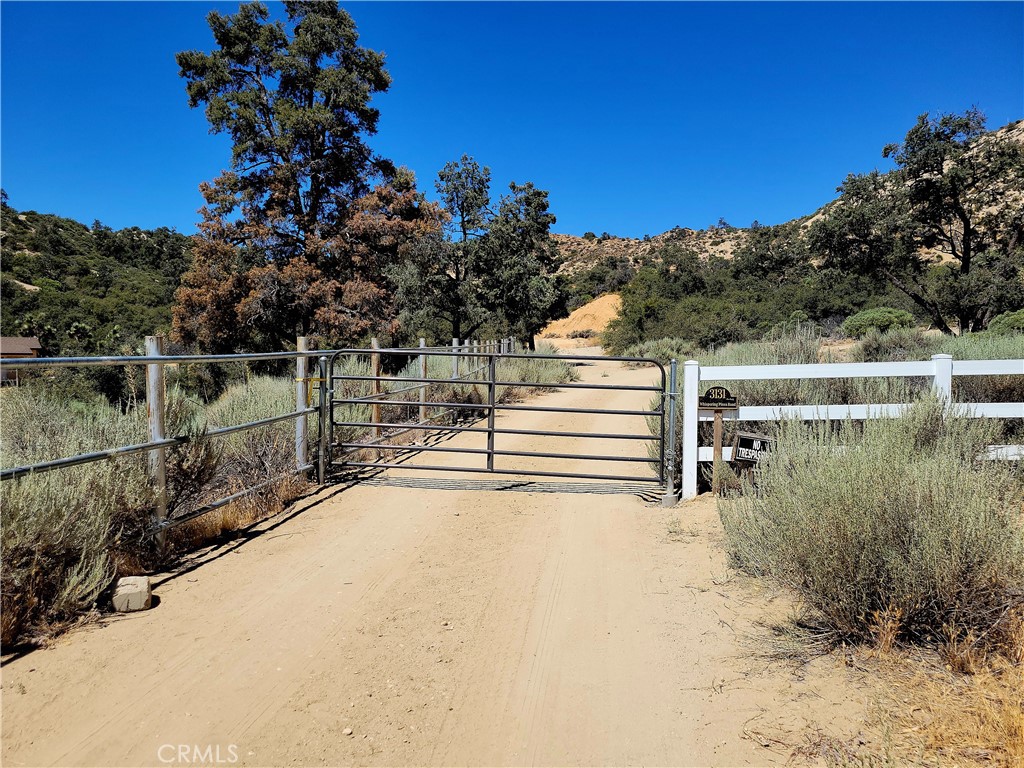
(637, 117)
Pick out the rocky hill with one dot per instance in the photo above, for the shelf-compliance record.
(581, 253)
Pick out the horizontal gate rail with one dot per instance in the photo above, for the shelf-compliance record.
(577, 385)
(553, 433)
(549, 409)
(404, 379)
(408, 427)
(354, 400)
(517, 472)
(495, 452)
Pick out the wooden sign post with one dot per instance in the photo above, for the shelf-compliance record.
(718, 399)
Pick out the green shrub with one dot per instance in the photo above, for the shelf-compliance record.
(59, 527)
(1008, 323)
(895, 345)
(879, 318)
(892, 519)
(664, 350)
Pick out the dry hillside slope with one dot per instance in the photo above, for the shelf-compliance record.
(580, 253)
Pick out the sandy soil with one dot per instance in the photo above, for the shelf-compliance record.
(444, 624)
(593, 316)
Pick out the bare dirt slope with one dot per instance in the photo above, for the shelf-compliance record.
(443, 627)
(592, 317)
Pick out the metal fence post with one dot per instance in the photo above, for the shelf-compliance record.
(671, 497)
(691, 385)
(375, 385)
(325, 422)
(455, 358)
(942, 383)
(301, 403)
(491, 391)
(155, 395)
(423, 386)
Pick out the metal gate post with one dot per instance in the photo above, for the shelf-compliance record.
(423, 385)
(375, 385)
(491, 389)
(691, 384)
(155, 393)
(455, 358)
(301, 403)
(671, 497)
(326, 422)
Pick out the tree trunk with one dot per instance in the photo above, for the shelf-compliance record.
(933, 311)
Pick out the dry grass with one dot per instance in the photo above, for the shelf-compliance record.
(943, 717)
(238, 515)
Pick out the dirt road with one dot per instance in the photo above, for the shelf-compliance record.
(443, 627)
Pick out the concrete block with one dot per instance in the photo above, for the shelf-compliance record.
(133, 593)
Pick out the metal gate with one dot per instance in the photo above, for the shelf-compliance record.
(436, 394)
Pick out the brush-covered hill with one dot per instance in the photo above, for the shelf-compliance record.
(86, 290)
(580, 253)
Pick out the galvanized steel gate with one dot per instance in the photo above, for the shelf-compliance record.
(360, 424)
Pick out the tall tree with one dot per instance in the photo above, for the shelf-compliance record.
(295, 98)
(518, 262)
(439, 285)
(492, 269)
(946, 227)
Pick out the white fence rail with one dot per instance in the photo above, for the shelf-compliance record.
(940, 369)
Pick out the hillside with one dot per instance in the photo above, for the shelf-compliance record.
(85, 290)
(582, 253)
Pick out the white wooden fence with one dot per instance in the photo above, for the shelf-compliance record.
(940, 369)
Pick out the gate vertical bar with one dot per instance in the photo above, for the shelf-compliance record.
(155, 394)
(375, 385)
(491, 391)
(455, 358)
(301, 403)
(423, 386)
(326, 422)
(671, 497)
(691, 385)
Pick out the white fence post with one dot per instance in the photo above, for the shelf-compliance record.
(155, 394)
(942, 383)
(455, 358)
(301, 403)
(423, 386)
(691, 386)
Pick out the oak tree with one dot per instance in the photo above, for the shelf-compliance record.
(946, 227)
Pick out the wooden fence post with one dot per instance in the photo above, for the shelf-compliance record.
(301, 403)
(155, 408)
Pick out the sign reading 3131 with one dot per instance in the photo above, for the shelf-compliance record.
(719, 399)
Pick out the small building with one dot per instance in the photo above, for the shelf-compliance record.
(16, 347)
